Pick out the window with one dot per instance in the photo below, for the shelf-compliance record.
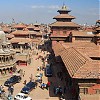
(58, 32)
(84, 90)
(64, 32)
(98, 91)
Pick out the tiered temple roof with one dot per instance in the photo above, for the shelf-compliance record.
(30, 26)
(19, 25)
(64, 19)
(64, 24)
(64, 16)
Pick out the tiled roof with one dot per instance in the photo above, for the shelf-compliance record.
(57, 48)
(64, 24)
(39, 34)
(97, 34)
(21, 32)
(89, 70)
(37, 41)
(20, 25)
(30, 26)
(6, 29)
(64, 16)
(98, 21)
(80, 44)
(88, 48)
(73, 60)
(98, 28)
(90, 52)
(19, 40)
(36, 29)
(81, 33)
(17, 32)
(9, 36)
(33, 32)
(78, 64)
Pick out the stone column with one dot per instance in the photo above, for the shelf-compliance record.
(0, 60)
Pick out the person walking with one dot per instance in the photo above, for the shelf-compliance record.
(31, 78)
(42, 85)
(1, 87)
(9, 89)
(48, 85)
(12, 89)
(25, 82)
(23, 73)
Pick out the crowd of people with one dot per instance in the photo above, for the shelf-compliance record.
(43, 85)
(4, 95)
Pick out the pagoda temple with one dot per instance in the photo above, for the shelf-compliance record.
(63, 23)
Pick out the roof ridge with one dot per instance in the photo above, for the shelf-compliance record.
(72, 63)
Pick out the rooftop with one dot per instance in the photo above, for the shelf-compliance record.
(87, 48)
(21, 32)
(64, 24)
(20, 40)
(81, 33)
(79, 65)
(19, 25)
(64, 16)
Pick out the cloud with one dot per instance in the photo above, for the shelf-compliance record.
(35, 6)
(42, 6)
(53, 7)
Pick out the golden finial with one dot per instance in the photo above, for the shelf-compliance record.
(64, 7)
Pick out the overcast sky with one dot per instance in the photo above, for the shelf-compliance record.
(43, 11)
